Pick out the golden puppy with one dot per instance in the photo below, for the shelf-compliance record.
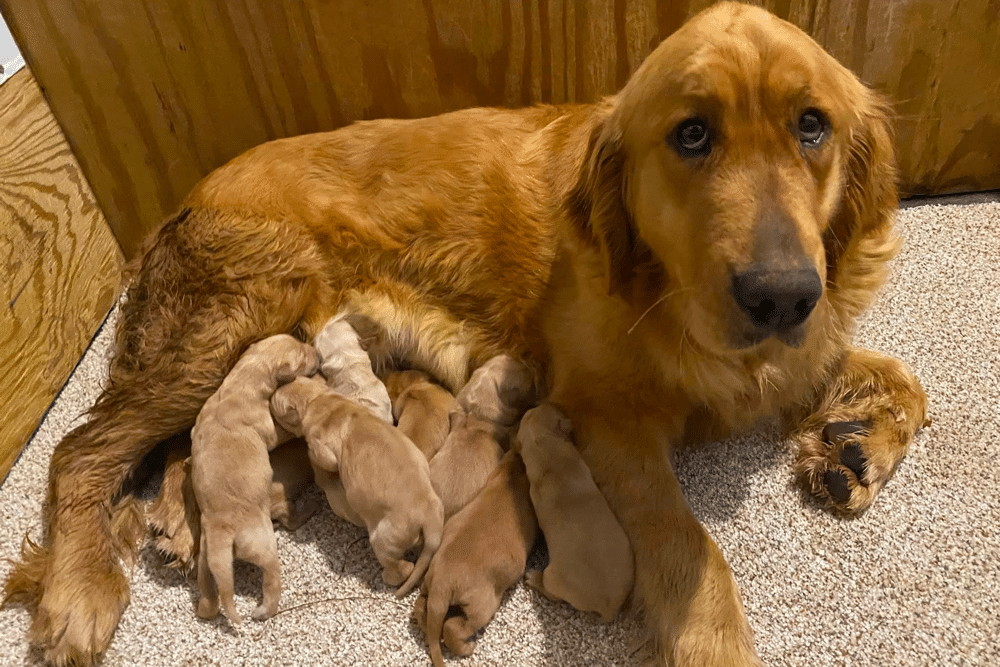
(421, 408)
(487, 411)
(176, 520)
(231, 473)
(685, 257)
(384, 475)
(483, 553)
(590, 559)
(348, 368)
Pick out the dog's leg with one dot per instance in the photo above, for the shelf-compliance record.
(852, 441)
(260, 547)
(173, 516)
(476, 613)
(691, 601)
(208, 604)
(218, 550)
(385, 541)
(209, 286)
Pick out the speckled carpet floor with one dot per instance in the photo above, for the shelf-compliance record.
(915, 581)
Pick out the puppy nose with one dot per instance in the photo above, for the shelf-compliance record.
(777, 299)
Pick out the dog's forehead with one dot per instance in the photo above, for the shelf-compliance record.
(731, 58)
(762, 56)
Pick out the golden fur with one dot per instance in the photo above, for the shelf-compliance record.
(576, 238)
(483, 553)
(384, 476)
(421, 408)
(590, 559)
(231, 473)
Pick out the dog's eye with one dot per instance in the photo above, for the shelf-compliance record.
(812, 127)
(692, 138)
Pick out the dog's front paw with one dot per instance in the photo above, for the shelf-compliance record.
(847, 460)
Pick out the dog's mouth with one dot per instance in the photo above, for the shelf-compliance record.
(731, 332)
(751, 336)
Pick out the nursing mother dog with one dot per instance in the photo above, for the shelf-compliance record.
(682, 258)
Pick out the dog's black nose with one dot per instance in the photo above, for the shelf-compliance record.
(777, 300)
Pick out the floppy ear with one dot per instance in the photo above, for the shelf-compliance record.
(596, 207)
(861, 241)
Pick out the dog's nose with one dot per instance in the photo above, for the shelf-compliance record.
(777, 299)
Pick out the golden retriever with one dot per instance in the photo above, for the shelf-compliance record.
(231, 473)
(697, 246)
(590, 559)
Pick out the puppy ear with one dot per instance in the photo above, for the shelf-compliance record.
(596, 206)
(861, 241)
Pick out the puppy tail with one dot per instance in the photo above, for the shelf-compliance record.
(437, 609)
(432, 540)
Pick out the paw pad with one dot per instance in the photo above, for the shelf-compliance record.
(836, 485)
(842, 435)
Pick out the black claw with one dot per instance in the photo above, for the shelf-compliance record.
(852, 457)
(835, 433)
(836, 484)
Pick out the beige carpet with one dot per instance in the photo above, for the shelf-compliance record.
(916, 581)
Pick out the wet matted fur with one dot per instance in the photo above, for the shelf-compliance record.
(599, 243)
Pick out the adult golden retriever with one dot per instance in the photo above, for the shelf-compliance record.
(680, 259)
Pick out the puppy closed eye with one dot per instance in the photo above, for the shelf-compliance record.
(692, 138)
(813, 127)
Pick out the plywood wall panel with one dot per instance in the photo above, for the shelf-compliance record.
(59, 263)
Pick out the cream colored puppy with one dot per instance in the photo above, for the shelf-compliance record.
(420, 408)
(384, 475)
(231, 473)
(590, 558)
(486, 414)
(483, 553)
(348, 368)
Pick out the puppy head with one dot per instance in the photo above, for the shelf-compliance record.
(289, 357)
(399, 381)
(500, 390)
(547, 419)
(731, 176)
(290, 402)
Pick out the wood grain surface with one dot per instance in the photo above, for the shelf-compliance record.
(61, 265)
(153, 95)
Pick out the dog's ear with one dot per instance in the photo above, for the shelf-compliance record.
(597, 207)
(860, 240)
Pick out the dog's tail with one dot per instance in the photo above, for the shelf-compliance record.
(432, 540)
(437, 608)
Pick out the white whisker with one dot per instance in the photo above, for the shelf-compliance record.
(655, 304)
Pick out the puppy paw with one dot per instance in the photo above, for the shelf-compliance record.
(207, 609)
(263, 612)
(420, 611)
(396, 573)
